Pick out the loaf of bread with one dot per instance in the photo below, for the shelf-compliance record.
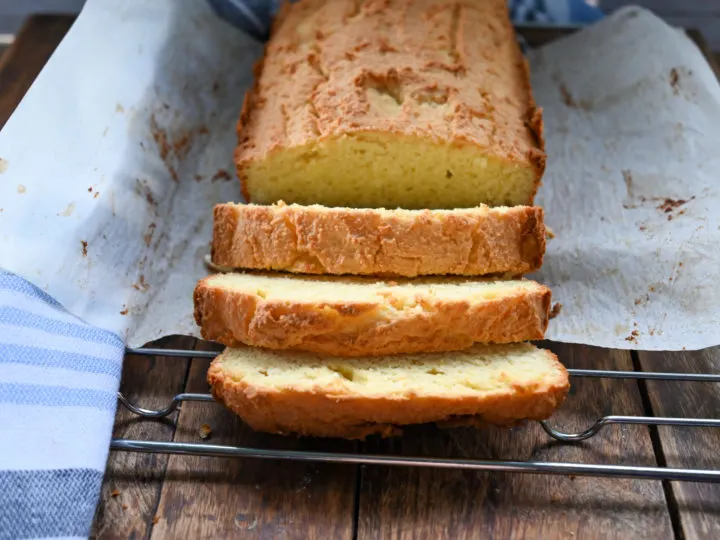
(309, 394)
(391, 103)
(366, 317)
(320, 240)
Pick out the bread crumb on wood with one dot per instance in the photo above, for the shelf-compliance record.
(115, 493)
(205, 432)
(555, 310)
(155, 520)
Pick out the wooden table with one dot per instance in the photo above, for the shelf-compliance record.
(163, 496)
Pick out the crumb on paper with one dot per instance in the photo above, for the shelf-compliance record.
(642, 300)
(222, 174)
(97, 194)
(105, 131)
(147, 237)
(627, 177)
(124, 310)
(141, 285)
(21, 188)
(203, 130)
(155, 519)
(3, 165)
(115, 493)
(119, 108)
(555, 310)
(570, 101)
(204, 432)
(69, 209)
(549, 233)
(567, 96)
(198, 177)
(632, 338)
(667, 204)
(642, 227)
(84, 247)
(675, 81)
(90, 189)
(651, 288)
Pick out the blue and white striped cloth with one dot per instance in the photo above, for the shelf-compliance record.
(59, 376)
(58, 384)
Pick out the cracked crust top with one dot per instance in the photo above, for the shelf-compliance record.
(449, 71)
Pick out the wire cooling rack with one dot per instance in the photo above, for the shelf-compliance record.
(537, 467)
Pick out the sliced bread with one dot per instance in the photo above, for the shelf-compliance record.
(358, 316)
(320, 240)
(309, 394)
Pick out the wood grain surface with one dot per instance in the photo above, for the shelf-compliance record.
(697, 505)
(22, 62)
(234, 498)
(133, 481)
(413, 503)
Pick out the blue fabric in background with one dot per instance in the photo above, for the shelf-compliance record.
(254, 16)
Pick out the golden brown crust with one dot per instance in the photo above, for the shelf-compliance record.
(372, 327)
(325, 412)
(321, 240)
(455, 70)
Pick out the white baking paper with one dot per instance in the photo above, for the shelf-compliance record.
(114, 159)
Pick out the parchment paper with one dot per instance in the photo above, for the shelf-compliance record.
(112, 162)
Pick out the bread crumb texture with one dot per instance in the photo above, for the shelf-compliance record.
(317, 239)
(311, 394)
(391, 103)
(366, 316)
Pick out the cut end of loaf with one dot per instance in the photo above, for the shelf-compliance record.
(376, 170)
(309, 394)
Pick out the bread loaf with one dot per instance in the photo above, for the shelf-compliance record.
(320, 240)
(391, 103)
(309, 394)
(364, 316)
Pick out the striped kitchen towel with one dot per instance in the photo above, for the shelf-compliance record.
(58, 384)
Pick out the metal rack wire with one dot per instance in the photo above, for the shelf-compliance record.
(537, 467)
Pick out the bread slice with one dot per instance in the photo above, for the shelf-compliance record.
(422, 104)
(320, 240)
(363, 316)
(324, 396)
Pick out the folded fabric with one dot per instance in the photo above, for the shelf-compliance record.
(58, 393)
(254, 16)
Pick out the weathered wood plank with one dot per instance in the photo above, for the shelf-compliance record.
(132, 481)
(223, 498)
(404, 503)
(698, 505)
(22, 62)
